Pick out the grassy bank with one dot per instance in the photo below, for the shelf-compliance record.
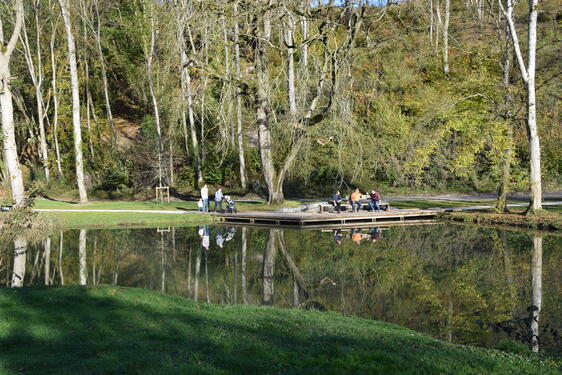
(549, 219)
(115, 219)
(110, 330)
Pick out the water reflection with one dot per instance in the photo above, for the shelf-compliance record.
(461, 284)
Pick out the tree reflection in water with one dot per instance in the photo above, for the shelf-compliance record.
(461, 283)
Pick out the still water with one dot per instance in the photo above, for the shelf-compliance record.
(463, 284)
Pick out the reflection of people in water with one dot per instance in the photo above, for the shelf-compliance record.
(337, 236)
(230, 234)
(375, 234)
(220, 239)
(356, 235)
(204, 232)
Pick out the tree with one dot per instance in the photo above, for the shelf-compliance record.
(78, 157)
(10, 148)
(528, 76)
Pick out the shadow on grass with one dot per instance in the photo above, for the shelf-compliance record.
(77, 330)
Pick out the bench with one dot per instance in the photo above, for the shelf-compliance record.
(346, 206)
(5, 207)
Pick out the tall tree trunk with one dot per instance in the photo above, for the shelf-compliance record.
(79, 159)
(290, 43)
(36, 73)
(446, 38)
(501, 204)
(163, 264)
(304, 30)
(10, 148)
(536, 295)
(243, 265)
(82, 257)
(155, 100)
(109, 113)
(269, 267)
(275, 190)
(239, 132)
(61, 247)
(197, 271)
(528, 75)
(47, 260)
(187, 91)
(55, 98)
(20, 256)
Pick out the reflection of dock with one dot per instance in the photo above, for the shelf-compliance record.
(323, 220)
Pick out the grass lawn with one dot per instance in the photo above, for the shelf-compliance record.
(550, 218)
(112, 330)
(114, 219)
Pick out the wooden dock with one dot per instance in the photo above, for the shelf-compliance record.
(324, 220)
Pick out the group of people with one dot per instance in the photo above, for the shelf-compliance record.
(355, 200)
(356, 235)
(203, 203)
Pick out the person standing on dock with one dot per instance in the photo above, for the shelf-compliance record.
(375, 200)
(355, 197)
(218, 200)
(205, 198)
(336, 201)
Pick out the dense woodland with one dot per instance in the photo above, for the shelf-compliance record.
(292, 97)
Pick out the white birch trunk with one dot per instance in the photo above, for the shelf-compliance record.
(154, 99)
(20, 256)
(243, 265)
(528, 74)
(536, 295)
(48, 261)
(36, 73)
(446, 38)
(79, 159)
(239, 132)
(55, 99)
(10, 148)
(82, 257)
(61, 248)
(290, 43)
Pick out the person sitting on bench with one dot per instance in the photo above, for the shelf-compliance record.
(355, 197)
(375, 200)
(336, 201)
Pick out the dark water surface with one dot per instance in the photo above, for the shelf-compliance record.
(463, 284)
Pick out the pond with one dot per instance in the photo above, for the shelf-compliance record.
(463, 284)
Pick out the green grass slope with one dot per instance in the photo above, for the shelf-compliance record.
(110, 330)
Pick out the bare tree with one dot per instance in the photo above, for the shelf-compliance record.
(8, 132)
(528, 75)
(54, 91)
(239, 133)
(78, 157)
(35, 68)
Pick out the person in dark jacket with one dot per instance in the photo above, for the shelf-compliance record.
(336, 201)
(375, 200)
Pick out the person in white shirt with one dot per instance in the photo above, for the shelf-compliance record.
(205, 198)
(200, 205)
(218, 200)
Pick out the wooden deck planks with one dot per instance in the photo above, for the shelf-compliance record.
(322, 220)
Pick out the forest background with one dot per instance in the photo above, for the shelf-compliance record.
(278, 98)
